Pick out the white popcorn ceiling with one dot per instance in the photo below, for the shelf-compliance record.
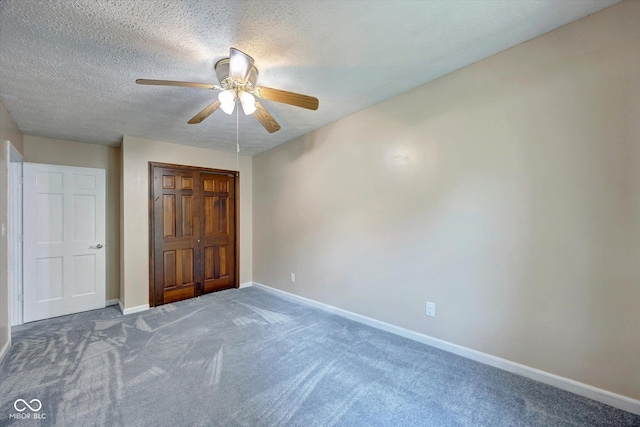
(68, 68)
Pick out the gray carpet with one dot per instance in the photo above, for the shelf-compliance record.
(249, 358)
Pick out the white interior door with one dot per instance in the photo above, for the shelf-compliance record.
(64, 234)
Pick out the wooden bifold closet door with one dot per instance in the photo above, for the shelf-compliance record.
(193, 232)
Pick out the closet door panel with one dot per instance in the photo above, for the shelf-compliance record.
(218, 231)
(176, 223)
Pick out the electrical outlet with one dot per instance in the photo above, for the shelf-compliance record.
(431, 309)
(293, 277)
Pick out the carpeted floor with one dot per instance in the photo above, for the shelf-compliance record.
(249, 358)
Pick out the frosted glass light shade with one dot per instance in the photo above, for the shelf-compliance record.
(248, 102)
(227, 100)
(239, 65)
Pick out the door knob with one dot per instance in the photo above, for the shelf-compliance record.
(98, 246)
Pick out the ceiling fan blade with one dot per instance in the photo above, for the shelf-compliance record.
(175, 83)
(265, 118)
(239, 65)
(208, 110)
(290, 98)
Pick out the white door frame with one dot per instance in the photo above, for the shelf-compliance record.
(15, 233)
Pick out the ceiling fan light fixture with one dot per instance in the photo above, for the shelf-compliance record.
(227, 100)
(248, 102)
(238, 76)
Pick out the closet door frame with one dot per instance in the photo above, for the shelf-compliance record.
(236, 219)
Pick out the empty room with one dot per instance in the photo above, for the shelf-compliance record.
(320, 213)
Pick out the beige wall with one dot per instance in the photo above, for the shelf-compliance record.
(136, 155)
(68, 153)
(8, 132)
(508, 193)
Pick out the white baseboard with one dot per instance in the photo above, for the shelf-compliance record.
(5, 349)
(609, 398)
(245, 285)
(111, 302)
(132, 310)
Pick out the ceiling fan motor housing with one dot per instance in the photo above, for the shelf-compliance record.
(222, 72)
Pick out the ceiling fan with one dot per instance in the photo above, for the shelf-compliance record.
(238, 76)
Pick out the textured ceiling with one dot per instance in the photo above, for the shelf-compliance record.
(68, 68)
